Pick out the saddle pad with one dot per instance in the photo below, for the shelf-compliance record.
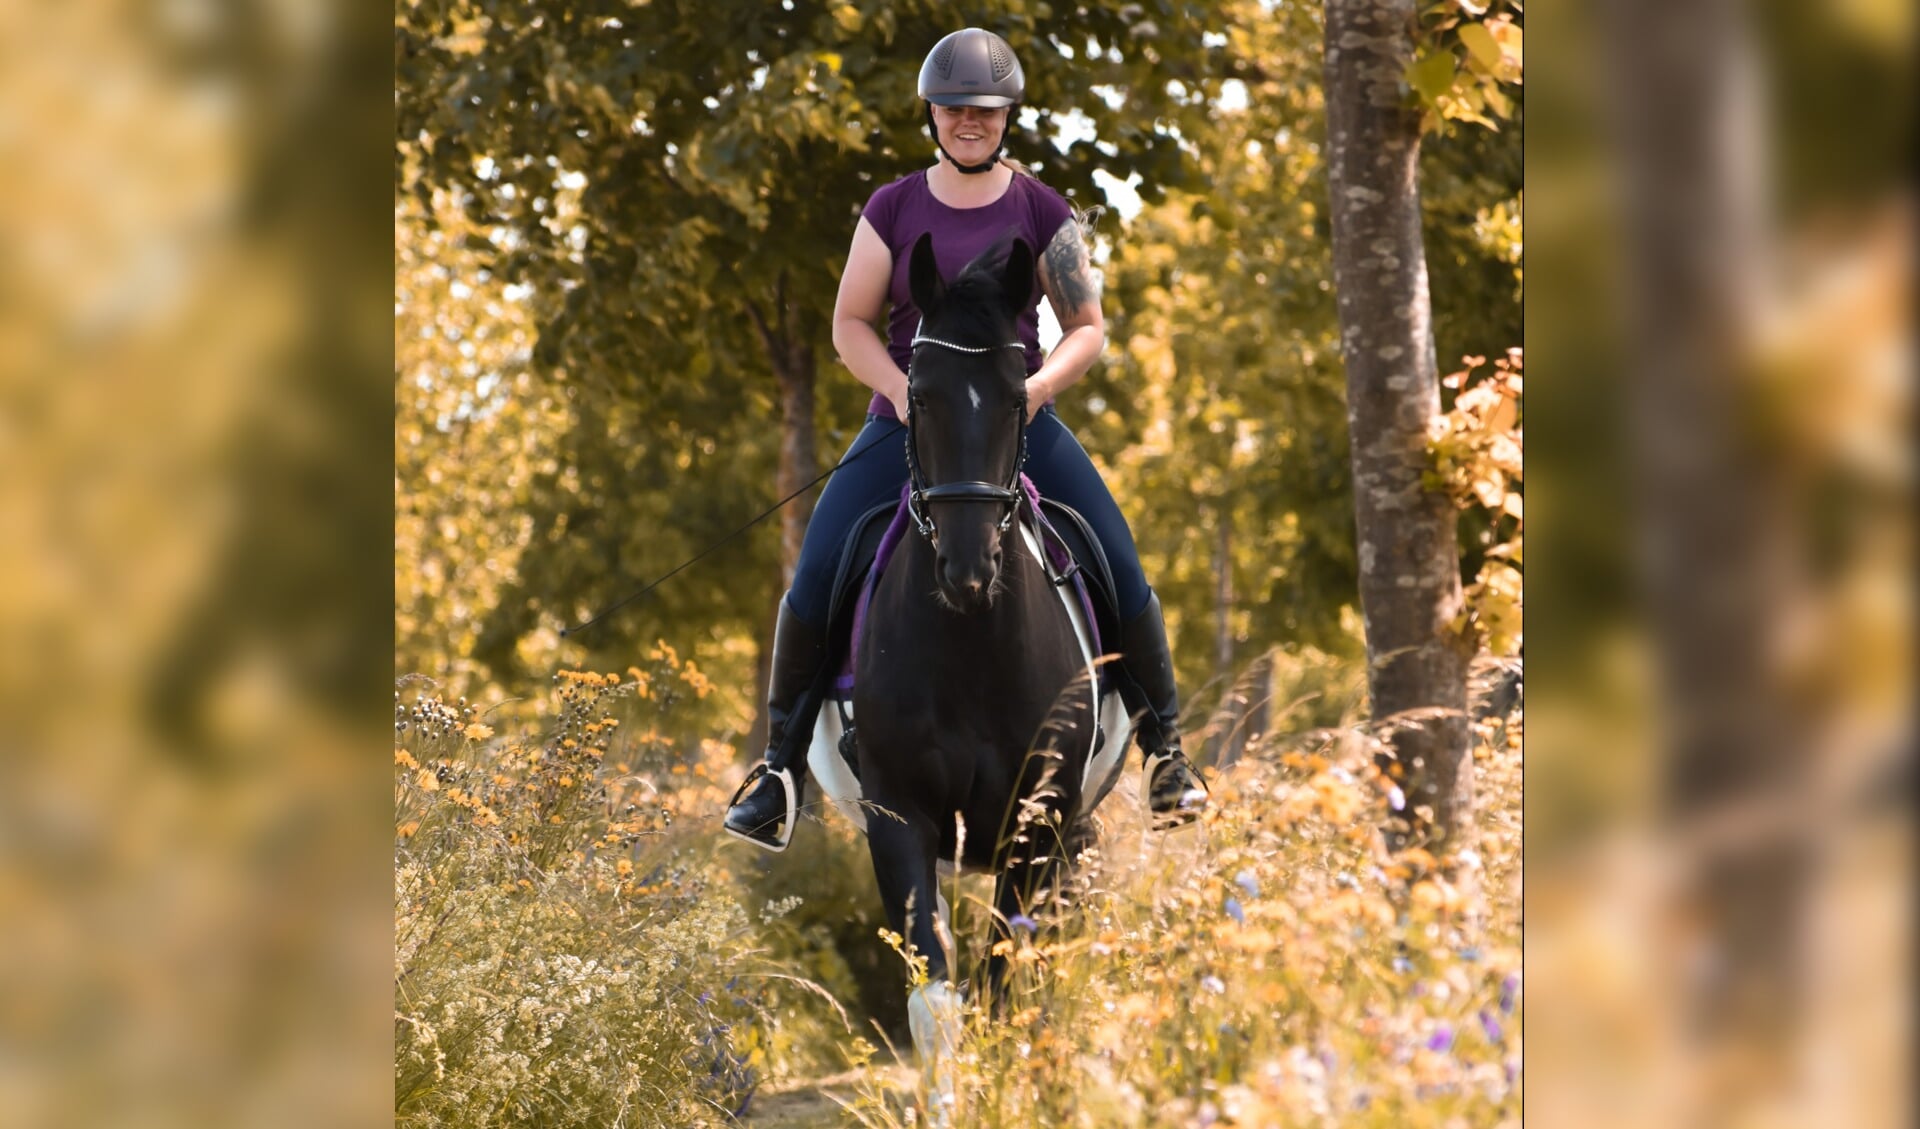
(1059, 561)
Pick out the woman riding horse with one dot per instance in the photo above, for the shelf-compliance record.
(970, 197)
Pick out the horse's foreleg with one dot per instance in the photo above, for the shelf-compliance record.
(903, 865)
(1028, 882)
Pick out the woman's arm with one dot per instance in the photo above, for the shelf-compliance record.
(1072, 286)
(863, 293)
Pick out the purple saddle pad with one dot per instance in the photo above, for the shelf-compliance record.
(1057, 557)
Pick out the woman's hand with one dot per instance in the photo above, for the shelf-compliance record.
(900, 403)
(1038, 393)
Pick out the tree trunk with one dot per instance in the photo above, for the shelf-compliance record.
(790, 354)
(1719, 573)
(791, 357)
(798, 461)
(1410, 595)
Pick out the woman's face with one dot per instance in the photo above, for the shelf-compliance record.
(970, 133)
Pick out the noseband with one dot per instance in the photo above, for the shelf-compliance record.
(920, 495)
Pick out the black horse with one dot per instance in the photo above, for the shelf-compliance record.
(974, 692)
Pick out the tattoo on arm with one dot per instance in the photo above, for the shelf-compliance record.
(1075, 282)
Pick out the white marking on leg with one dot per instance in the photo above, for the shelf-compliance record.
(974, 395)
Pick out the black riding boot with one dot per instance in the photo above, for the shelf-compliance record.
(1175, 791)
(765, 808)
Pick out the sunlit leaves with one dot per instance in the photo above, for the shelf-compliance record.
(1432, 76)
(1477, 450)
(1467, 54)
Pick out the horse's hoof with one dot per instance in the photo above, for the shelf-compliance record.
(934, 1018)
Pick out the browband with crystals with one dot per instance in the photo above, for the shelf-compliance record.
(922, 340)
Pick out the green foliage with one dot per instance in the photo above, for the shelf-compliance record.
(1221, 411)
(662, 181)
(586, 399)
(1468, 61)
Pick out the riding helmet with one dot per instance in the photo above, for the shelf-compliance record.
(972, 67)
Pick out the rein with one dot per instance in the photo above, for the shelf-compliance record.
(920, 495)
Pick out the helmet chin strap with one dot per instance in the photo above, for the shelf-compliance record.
(971, 170)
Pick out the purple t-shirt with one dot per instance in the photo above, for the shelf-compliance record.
(902, 211)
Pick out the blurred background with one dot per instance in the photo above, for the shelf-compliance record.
(195, 517)
(198, 307)
(1720, 765)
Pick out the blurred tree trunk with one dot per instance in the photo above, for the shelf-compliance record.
(1719, 568)
(790, 354)
(1409, 556)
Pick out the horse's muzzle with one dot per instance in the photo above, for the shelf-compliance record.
(969, 584)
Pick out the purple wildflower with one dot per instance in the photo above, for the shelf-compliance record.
(1491, 1026)
(1509, 992)
(1214, 984)
(1248, 884)
(1235, 911)
(1022, 921)
(1441, 1040)
(1471, 952)
(1396, 799)
(1402, 965)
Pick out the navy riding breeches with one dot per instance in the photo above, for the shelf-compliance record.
(1056, 462)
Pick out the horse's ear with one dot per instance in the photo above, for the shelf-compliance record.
(923, 276)
(1017, 281)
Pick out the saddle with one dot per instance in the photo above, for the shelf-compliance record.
(1073, 553)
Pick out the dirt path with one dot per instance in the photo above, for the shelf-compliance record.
(809, 1103)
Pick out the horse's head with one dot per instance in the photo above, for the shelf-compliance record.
(966, 427)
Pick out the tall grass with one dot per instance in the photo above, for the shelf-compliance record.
(570, 949)
(576, 945)
(1271, 967)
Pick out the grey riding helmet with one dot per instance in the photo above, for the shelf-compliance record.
(972, 67)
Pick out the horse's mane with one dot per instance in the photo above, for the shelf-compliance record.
(975, 306)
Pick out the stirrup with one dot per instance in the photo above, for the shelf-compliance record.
(1188, 808)
(780, 842)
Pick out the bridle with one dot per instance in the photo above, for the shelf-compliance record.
(920, 495)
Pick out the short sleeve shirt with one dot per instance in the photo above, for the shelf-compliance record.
(904, 210)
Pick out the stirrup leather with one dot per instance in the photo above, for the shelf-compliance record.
(785, 777)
